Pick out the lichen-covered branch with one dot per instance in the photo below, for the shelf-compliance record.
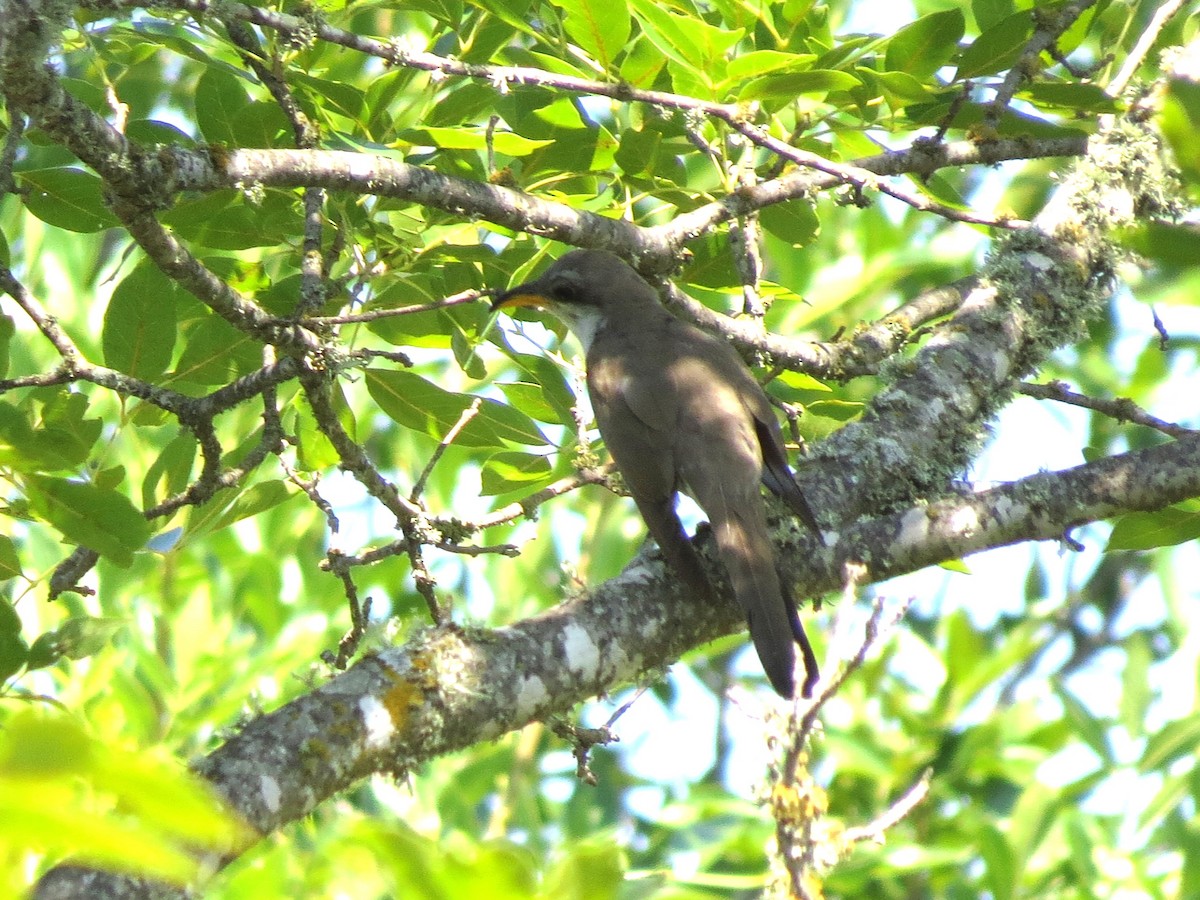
(450, 687)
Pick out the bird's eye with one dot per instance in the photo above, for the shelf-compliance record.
(565, 292)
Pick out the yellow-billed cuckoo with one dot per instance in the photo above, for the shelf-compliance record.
(679, 410)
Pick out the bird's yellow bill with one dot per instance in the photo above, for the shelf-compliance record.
(520, 298)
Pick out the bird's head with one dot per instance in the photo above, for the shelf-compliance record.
(581, 288)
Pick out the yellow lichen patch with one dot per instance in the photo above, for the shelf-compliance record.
(798, 803)
(422, 668)
(400, 700)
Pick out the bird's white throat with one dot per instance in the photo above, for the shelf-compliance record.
(583, 321)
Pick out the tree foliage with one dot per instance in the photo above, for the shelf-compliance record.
(313, 522)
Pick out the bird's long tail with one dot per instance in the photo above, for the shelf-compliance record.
(745, 548)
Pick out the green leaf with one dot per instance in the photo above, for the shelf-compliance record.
(13, 650)
(1177, 245)
(1001, 866)
(139, 324)
(795, 221)
(837, 410)
(600, 27)
(795, 84)
(639, 151)
(692, 43)
(924, 46)
(989, 12)
(509, 471)
(84, 636)
(447, 11)
(215, 353)
(760, 62)
(261, 124)
(10, 622)
(997, 48)
(801, 381)
(79, 832)
(642, 63)
(314, 450)
(1176, 740)
(102, 520)
(1160, 528)
(1175, 789)
(899, 88)
(511, 12)
(219, 97)
(1084, 725)
(17, 441)
(531, 400)
(1074, 96)
(14, 653)
(592, 868)
(64, 431)
(152, 131)
(67, 198)
(171, 469)
(416, 403)
(167, 797)
(110, 477)
(44, 652)
(674, 35)
(36, 746)
(553, 384)
(471, 139)
(153, 819)
(1135, 684)
(60, 442)
(224, 220)
(256, 499)
(1032, 818)
(7, 328)
(1179, 119)
(339, 95)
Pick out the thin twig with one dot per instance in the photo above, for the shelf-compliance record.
(527, 506)
(458, 299)
(1120, 408)
(877, 827)
(464, 419)
(1051, 27)
(1141, 49)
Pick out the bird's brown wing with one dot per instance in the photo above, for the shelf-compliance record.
(776, 473)
(720, 464)
(632, 421)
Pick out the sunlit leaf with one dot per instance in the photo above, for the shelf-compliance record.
(67, 198)
(219, 97)
(1160, 528)
(510, 471)
(416, 403)
(600, 27)
(997, 48)
(924, 46)
(795, 84)
(139, 323)
(103, 520)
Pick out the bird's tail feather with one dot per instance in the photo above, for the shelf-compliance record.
(746, 551)
(812, 672)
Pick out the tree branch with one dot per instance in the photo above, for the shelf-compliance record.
(449, 688)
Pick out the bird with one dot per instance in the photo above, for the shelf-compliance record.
(679, 410)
